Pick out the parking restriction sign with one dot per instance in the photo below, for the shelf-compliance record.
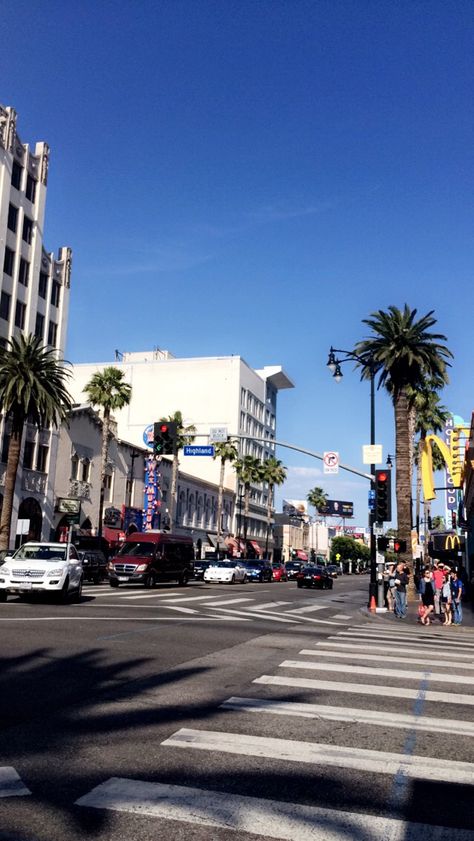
(331, 462)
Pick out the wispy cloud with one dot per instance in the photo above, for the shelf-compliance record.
(282, 210)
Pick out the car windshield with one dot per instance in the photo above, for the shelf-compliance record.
(224, 564)
(252, 564)
(41, 553)
(144, 549)
(293, 565)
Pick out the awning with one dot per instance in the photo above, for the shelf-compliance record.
(255, 546)
(213, 541)
(301, 555)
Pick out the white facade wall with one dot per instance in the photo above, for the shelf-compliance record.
(34, 291)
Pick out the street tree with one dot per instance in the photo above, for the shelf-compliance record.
(249, 472)
(185, 435)
(404, 353)
(33, 387)
(226, 451)
(274, 473)
(108, 391)
(318, 499)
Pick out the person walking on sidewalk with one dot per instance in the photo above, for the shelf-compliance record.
(456, 597)
(426, 589)
(401, 581)
(438, 581)
(446, 600)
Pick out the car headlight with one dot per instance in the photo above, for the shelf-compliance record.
(6, 570)
(56, 572)
(141, 568)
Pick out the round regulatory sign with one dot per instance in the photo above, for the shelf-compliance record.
(331, 459)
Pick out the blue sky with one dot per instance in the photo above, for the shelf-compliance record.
(256, 178)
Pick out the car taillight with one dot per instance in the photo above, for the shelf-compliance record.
(317, 577)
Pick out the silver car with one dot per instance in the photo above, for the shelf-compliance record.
(42, 568)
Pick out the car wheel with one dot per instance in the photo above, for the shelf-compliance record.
(232, 580)
(113, 583)
(331, 585)
(245, 579)
(96, 579)
(78, 594)
(183, 579)
(64, 592)
(299, 584)
(150, 581)
(3, 595)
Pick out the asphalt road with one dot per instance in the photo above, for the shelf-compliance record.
(233, 712)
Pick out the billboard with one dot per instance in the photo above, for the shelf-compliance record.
(295, 508)
(337, 508)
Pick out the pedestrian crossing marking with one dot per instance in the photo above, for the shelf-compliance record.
(11, 784)
(365, 689)
(454, 727)
(268, 605)
(426, 638)
(420, 661)
(435, 677)
(268, 616)
(257, 816)
(362, 645)
(314, 753)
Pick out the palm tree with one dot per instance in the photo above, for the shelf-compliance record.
(318, 499)
(249, 471)
(107, 390)
(32, 388)
(185, 435)
(274, 473)
(404, 354)
(226, 451)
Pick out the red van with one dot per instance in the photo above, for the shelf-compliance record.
(152, 556)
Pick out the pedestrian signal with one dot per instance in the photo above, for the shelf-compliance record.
(383, 496)
(383, 543)
(399, 546)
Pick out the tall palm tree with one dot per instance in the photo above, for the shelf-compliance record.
(226, 451)
(32, 387)
(274, 473)
(317, 498)
(107, 390)
(249, 471)
(185, 435)
(404, 354)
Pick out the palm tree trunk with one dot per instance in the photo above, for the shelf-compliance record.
(103, 466)
(13, 461)
(403, 483)
(220, 501)
(174, 486)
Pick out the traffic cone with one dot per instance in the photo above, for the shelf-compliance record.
(372, 605)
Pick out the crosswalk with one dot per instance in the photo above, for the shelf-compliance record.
(379, 753)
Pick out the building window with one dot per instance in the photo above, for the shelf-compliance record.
(5, 299)
(55, 287)
(28, 454)
(85, 470)
(8, 261)
(42, 458)
(12, 218)
(20, 313)
(24, 271)
(74, 466)
(17, 172)
(27, 230)
(30, 189)
(52, 333)
(107, 487)
(39, 326)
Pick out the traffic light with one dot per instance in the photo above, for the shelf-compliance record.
(399, 546)
(383, 543)
(164, 438)
(383, 496)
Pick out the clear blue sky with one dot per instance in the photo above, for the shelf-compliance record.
(256, 178)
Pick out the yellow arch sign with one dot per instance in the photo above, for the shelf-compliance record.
(451, 457)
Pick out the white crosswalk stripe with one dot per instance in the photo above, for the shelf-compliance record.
(396, 637)
(345, 655)
(10, 783)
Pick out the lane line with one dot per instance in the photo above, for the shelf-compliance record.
(268, 616)
(354, 715)
(11, 784)
(314, 753)
(310, 609)
(228, 601)
(364, 689)
(197, 618)
(256, 816)
(435, 677)
(268, 605)
(341, 616)
(420, 661)
(407, 653)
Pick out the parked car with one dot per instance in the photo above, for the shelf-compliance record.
(333, 570)
(42, 568)
(152, 556)
(292, 569)
(200, 568)
(258, 570)
(94, 565)
(313, 576)
(279, 572)
(225, 572)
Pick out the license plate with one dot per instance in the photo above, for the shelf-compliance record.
(122, 578)
(28, 586)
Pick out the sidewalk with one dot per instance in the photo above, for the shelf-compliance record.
(412, 619)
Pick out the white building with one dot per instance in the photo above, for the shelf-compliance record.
(209, 392)
(34, 298)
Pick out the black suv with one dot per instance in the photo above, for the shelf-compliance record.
(200, 568)
(94, 564)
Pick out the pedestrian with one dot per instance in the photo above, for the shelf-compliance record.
(390, 587)
(446, 599)
(456, 597)
(400, 581)
(438, 581)
(427, 592)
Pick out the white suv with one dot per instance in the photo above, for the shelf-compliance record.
(42, 568)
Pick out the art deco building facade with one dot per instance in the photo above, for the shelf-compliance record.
(34, 298)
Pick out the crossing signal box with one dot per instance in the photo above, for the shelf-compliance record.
(399, 546)
(165, 435)
(383, 496)
(383, 543)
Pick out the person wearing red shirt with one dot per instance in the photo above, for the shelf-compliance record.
(438, 581)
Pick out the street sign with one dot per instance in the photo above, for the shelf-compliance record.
(372, 454)
(377, 530)
(331, 462)
(217, 434)
(192, 450)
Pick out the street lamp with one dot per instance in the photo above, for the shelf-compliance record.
(334, 364)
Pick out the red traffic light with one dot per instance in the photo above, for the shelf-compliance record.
(396, 545)
(382, 477)
(164, 427)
